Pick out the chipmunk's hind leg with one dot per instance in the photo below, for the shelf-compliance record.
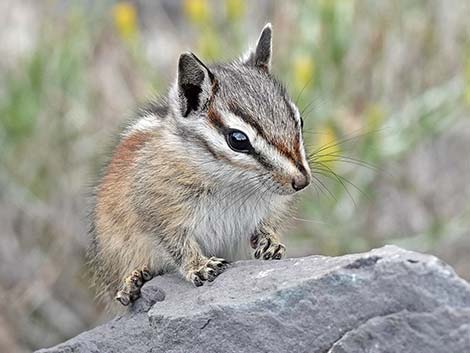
(130, 290)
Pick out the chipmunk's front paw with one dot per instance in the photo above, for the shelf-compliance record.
(207, 272)
(132, 285)
(269, 249)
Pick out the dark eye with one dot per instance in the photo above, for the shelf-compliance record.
(238, 141)
(301, 123)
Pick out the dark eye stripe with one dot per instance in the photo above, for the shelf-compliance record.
(199, 140)
(216, 120)
(263, 161)
(248, 119)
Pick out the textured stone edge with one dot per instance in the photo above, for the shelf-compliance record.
(143, 321)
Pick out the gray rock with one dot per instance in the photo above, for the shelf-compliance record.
(386, 300)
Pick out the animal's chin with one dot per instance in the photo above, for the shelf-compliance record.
(285, 192)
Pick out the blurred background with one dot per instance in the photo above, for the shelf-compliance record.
(384, 87)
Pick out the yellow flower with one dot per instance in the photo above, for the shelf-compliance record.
(326, 149)
(125, 16)
(235, 9)
(197, 11)
(304, 72)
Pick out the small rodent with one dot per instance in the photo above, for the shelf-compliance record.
(201, 176)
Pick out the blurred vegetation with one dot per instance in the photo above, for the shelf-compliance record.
(384, 89)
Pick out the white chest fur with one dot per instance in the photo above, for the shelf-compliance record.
(225, 224)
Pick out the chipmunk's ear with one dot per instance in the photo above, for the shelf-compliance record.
(260, 57)
(193, 83)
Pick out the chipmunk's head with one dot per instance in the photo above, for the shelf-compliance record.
(239, 122)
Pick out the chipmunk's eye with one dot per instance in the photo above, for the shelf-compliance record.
(238, 141)
(301, 123)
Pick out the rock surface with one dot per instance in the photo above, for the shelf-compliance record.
(386, 300)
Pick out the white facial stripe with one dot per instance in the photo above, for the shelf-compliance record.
(296, 111)
(232, 121)
(301, 140)
(259, 143)
(275, 157)
(217, 140)
(235, 122)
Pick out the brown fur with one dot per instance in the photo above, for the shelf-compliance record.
(161, 202)
(115, 219)
(125, 213)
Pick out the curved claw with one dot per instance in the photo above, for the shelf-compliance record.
(130, 291)
(269, 249)
(208, 272)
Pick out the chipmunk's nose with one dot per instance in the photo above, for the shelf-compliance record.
(300, 181)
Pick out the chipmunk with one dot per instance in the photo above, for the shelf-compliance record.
(200, 177)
